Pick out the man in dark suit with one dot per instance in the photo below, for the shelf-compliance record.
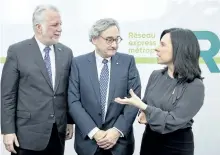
(103, 127)
(34, 90)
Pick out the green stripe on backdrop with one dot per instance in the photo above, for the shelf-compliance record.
(148, 60)
(2, 60)
(142, 60)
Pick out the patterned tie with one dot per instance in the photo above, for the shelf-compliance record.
(47, 62)
(104, 78)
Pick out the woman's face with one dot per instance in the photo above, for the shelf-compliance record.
(165, 50)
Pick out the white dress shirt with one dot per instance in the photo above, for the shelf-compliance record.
(99, 66)
(52, 59)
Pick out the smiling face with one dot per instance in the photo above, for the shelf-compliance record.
(49, 31)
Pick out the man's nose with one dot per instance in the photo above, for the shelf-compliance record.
(59, 29)
(114, 44)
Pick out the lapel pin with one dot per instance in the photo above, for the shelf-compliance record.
(117, 63)
(59, 49)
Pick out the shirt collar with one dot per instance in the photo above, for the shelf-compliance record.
(99, 58)
(41, 45)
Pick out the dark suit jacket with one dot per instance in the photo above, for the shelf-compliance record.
(30, 106)
(85, 107)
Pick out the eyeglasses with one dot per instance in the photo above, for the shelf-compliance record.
(110, 40)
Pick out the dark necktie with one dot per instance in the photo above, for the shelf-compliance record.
(47, 62)
(104, 78)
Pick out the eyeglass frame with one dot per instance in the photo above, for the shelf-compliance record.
(106, 39)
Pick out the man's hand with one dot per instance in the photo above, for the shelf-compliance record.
(9, 140)
(142, 118)
(99, 135)
(69, 131)
(110, 139)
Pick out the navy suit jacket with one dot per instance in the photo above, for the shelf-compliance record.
(85, 107)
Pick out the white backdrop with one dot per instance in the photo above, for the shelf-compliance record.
(147, 17)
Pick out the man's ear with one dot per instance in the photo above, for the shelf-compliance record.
(39, 28)
(94, 40)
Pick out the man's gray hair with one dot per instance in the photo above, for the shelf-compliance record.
(100, 26)
(38, 17)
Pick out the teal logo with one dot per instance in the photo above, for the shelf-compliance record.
(208, 55)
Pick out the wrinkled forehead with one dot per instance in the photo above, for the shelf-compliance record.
(111, 32)
(50, 15)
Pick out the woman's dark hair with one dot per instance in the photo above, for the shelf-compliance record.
(186, 53)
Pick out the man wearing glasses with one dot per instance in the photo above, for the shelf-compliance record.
(103, 127)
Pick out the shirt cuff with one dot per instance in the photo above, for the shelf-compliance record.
(148, 112)
(121, 134)
(139, 111)
(93, 132)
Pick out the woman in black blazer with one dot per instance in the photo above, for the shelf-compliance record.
(173, 96)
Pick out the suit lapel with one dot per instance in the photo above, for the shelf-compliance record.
(39, 60)
(58, 65)
(93, 74)
(115, 71)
